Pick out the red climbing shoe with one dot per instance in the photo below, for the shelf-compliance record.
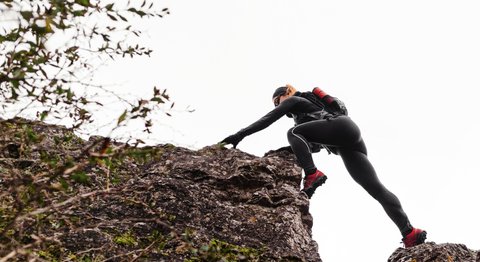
(416, 237)
(312, 181)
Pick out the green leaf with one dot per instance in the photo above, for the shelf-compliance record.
(123, 18)
(138, 12)
(109, 7)
(70, 95)
(158, 100)
(112, 17)
(79, 13)
(83, 2)
(71, 49)
(40, 30)
(15, 83)
(40, 60)
(43, 115)
(122, 117)
(14, 93)
(18, 73)
(27, 15)
(48, 24)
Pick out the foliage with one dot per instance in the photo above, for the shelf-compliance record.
(50, 50)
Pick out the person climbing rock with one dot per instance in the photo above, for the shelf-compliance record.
(321, 119)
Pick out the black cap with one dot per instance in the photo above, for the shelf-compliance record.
(280, 91)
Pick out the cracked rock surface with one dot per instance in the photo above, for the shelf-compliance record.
(176, 205)
(431, 252)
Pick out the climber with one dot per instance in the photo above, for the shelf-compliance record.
(338, 134)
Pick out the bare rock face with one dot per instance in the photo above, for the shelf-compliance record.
(214, 204)
(432, 252)
(235, 197)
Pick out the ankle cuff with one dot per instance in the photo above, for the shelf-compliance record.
(309, 171)
(407, 229)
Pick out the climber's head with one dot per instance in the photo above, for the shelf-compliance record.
(283, 93)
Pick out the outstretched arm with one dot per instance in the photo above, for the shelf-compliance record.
(263, 122)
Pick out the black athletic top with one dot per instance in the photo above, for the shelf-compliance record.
(301, 109)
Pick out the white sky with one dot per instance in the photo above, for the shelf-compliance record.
(407, 70)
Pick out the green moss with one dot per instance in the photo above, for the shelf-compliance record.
(3, 220)
(69, 137)
(52, 253)
(81, 177)
(52, 160)
(217, 250)
(160, 239)
(143, 154)
(29, 191)
(126, 239)
(30, 135)
(84, 258)
(46, 255)
(172, 218)
(115, 179)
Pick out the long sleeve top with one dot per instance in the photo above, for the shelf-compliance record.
(299, 108)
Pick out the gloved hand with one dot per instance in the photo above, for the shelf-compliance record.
(233, 140)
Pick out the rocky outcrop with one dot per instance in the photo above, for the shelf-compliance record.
(66, 199)
(162, 203)
(431, 252)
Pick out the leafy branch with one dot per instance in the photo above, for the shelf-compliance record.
(53, 48)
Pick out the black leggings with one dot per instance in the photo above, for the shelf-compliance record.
(344, 135)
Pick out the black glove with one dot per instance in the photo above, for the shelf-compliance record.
(233, 139)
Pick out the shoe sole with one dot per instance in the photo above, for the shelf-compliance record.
(309, 191)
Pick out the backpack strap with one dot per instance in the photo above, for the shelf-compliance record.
(332, 104)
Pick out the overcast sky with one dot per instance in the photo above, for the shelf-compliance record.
(409, 72)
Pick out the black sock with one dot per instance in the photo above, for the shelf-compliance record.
(407, 229)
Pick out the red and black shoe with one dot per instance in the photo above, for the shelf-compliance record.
(416, 237)
(312, 181)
